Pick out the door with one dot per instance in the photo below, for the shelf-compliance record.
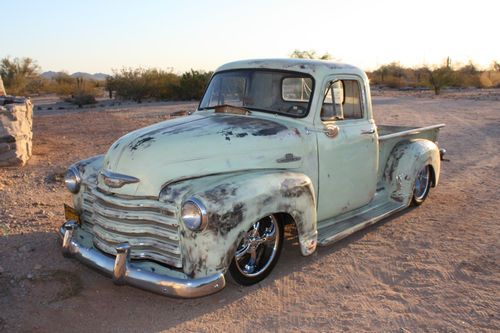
(347, 150)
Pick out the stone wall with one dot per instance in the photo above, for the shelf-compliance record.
(16, 120)
(2, 89)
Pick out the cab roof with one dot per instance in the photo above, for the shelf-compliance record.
(317, 68)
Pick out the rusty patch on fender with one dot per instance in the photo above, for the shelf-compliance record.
(290, 189)
(220, 193)
(223, 223)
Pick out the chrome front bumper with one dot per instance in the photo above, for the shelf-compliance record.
(124, 272)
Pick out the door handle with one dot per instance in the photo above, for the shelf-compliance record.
(330, 131)
(370, 131)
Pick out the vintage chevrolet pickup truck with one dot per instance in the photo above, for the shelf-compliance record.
(174, 207)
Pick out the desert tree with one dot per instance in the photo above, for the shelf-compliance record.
(440, 77)
(193, 83)
(20, 75)
(468, 75)
(495, 66)
(421, 76)
(391, 74)
(310, 54)
(382, 72)
(140, 84)
(110, 85)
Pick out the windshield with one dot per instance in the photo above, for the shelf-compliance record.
(287, 93)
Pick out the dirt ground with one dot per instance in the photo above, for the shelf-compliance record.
(432, 268)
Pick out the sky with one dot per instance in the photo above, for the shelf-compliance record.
(102, 35)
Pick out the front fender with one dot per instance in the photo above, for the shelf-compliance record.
(405, 160)
(235, 202)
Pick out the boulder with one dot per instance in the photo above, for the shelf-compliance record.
(2, 88)
(16, 121)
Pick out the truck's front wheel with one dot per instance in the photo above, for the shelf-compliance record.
(258, 252)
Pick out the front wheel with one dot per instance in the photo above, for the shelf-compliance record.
(258, 252)
(422, 185)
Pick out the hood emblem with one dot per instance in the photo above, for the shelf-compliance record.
(116, 180)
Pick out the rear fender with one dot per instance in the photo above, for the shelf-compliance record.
(405, 160)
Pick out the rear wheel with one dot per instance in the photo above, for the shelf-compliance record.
(258, 252)
(422, 185)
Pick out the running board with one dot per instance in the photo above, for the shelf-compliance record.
(333, 230)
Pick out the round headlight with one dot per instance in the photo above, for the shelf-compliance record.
(72, 179)
(194, 215)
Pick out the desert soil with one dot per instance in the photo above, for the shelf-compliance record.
(431, 268)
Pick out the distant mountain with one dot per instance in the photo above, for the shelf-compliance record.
(96, 76)
(49, 75)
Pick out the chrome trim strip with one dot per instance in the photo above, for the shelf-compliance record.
(124, 272)
(124, 196)
(131, 202)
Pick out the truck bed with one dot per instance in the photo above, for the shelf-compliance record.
(389, 136)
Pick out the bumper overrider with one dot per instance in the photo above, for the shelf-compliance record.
(124, 272)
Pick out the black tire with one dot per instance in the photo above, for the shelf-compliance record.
(421, 186)
(255, 257)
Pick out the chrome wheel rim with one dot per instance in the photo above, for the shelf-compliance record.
(258, 247)
(421, 183)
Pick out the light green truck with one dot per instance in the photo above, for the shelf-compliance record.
(174, 207)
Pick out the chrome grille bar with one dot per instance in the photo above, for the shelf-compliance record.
(147, 225)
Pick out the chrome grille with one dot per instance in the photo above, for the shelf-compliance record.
(149, 226)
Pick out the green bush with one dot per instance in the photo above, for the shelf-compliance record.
(62, 84)
(490, 79)
(192, 84)
(394, 75)
(441, 77)
(20, 76)
(76, 90)
(81, 98)
(140, 84)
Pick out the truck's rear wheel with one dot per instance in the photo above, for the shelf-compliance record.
(422, 185)
(258, 252)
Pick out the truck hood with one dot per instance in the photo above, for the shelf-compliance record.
(202, 144)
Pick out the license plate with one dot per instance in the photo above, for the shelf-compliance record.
(71, 214)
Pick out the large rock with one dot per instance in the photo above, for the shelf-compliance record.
(16, 121)
(2, 88)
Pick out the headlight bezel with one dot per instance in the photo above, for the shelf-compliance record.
(203, 216)
(73, 180)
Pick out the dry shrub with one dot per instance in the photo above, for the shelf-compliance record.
(490, 79)
(140, 84)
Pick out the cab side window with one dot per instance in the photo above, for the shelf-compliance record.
(342, 100)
